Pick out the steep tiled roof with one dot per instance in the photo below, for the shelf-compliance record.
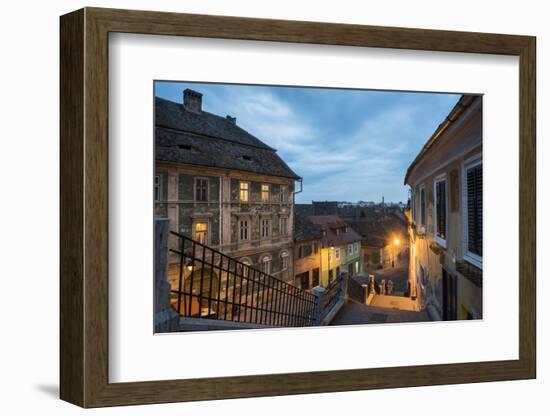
(205, 139)
(304, 229)
(333, 226)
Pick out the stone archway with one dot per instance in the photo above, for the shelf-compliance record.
(196, 296)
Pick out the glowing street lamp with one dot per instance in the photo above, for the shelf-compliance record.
(396, 243)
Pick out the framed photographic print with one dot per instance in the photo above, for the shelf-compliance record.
(256, 207)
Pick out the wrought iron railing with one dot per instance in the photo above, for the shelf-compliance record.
(333, 293)
(213, 285)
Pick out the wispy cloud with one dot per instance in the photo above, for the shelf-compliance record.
(347, 145)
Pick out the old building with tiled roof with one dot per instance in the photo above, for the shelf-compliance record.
(325, 245)
(222, 186)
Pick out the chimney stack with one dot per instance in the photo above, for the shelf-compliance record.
(232, 119)
(192, 100)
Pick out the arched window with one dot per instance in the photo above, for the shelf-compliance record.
(284, 260)
(246, 266)
(266, 264)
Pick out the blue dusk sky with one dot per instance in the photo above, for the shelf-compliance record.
(347, 145)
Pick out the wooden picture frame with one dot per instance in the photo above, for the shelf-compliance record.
(84, 207)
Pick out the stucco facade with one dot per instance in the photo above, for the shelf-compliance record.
(446, 204)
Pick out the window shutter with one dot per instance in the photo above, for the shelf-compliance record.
(474, 179)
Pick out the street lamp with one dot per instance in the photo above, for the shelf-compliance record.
(396, 243)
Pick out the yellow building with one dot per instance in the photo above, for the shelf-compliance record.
(445, 225)
(340, 248)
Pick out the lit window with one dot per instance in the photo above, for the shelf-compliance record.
(265, 228)
(201, 189)
(244, 229)
(440, 192)
(283, 226)
(243, 195)
(157, 188)
(201, 231)
(337, 254)
(265, 193)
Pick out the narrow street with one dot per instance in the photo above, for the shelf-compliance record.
(394, 308)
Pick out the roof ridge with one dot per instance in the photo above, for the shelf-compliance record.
(180, 107)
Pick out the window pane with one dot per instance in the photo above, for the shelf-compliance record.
(265, 193)
(201, 189)
(243, 188)
(157, 188)
(201, 229)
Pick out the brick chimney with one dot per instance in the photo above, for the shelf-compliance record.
(232, 119)
(192, 100)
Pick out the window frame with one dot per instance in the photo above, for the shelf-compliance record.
(350, 249)
(283, 190)
(206, 231)
(268, 235)
(246, 228)
(283, 231)
(472, 258)
(441, 241)
(266, 260)
(284, 259)
(337, 253)
(241, 200)
(157, 186)
(207, 196)
(265, 200)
